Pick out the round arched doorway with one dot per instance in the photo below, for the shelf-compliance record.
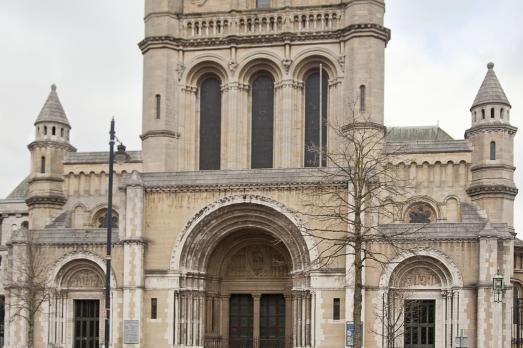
(249, 277)
(243, 279)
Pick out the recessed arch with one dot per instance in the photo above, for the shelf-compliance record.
(210, 225)
(447, 267)
(311, 59)
(82, 256)
(203, 66)
(253, 65)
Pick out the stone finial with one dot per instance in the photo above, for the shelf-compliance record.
(490, 66)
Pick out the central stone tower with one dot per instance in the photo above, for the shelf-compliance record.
(192, 46)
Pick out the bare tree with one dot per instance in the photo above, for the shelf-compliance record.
(394, 313)
(28, 283)
(357, 189)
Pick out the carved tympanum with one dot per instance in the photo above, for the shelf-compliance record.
(85, 279)
(419, 277)
(257, 262)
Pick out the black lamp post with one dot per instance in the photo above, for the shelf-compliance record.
(120, 155)
(109, 222)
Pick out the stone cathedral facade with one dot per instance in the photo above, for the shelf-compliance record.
(209, 248)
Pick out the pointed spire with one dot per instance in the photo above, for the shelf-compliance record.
(490, 91)
(52, 110)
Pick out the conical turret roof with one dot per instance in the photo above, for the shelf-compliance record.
(490, 91)
(53, 110)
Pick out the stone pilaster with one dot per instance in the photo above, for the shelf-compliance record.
(133, 249)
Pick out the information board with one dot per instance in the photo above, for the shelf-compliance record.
(131, 331)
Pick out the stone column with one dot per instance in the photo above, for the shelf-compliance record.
(301, 319)
(224, 329)
(256, 316)
(133, 255)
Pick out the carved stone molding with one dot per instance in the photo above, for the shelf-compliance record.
(160, 134)
(486, 128)
(492, 189)
(46, 200)
(51, 144)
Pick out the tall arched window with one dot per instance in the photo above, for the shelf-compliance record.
(42, 165)
(492, 150)
(262, 121)
(210, 123)
(492, 113)
(312, 118)
(363, 96)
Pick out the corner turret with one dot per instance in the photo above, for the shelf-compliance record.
(46, 193)
(492, 184)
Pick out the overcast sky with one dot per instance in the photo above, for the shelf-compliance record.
(435, 64)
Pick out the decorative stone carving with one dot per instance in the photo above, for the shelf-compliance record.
(341, 61)
(85, 279)
(286, 64)
(233, 65)
(180, 69)
(419, 277)
(257, 262)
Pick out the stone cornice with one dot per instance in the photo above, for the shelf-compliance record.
(480, 167)
(160, 134)
(46, 178)
(347, 33)
(53, 200)
(496, 127)
(492, 189)
(51, 144)
(235, 187)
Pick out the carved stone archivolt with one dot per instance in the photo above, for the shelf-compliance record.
(257, 262)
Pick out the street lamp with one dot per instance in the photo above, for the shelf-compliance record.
(120, 156)
(498, 286)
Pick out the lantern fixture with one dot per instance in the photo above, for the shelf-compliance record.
(498, 286)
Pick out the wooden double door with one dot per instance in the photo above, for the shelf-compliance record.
(271, 319)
